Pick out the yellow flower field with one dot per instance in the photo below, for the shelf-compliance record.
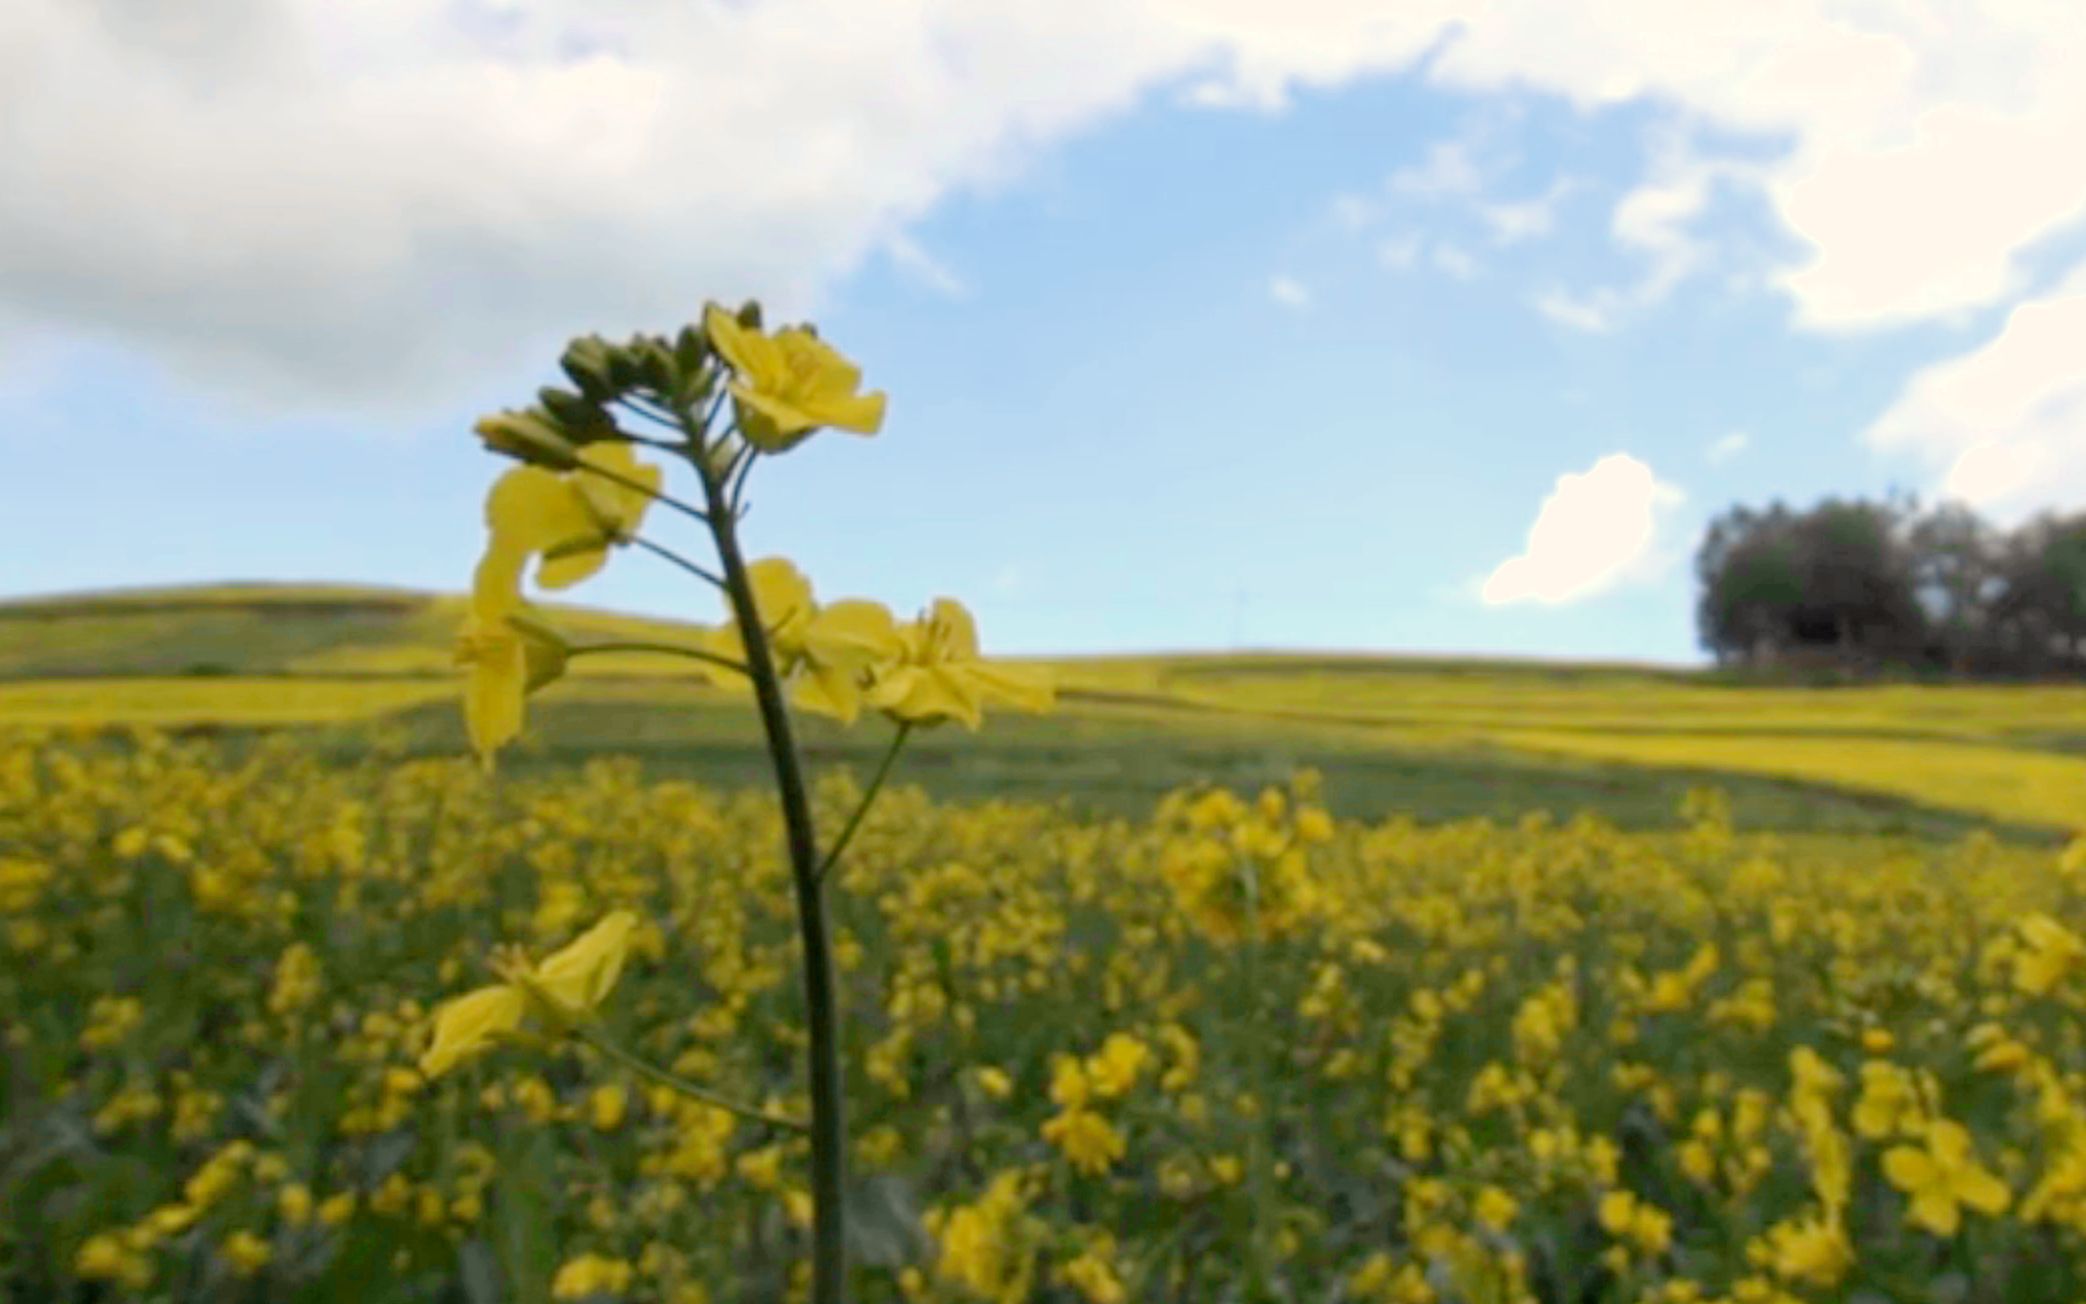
(1236, 1049)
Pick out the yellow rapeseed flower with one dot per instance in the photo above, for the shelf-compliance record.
(1943, 1177)
(940, 675)
(568, 984)
(788, 384)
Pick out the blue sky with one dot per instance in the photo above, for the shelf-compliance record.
(1239, 355)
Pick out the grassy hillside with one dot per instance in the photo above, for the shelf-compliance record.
(1440, 738)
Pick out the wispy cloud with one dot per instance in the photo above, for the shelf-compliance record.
(924, 269)
(1289, 292)
(1728, 446)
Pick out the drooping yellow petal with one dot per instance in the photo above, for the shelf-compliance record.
(470, 1024)
(496, 676)
(579, 976)
(782, 598)
(829, 690)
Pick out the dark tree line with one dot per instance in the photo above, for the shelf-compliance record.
(1868, 586)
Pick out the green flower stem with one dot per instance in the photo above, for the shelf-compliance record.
(672, 558)
(876, 785)
(822, 1009)
(675, 1082)
(663, 649)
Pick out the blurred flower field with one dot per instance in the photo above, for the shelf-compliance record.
(1233, 1050)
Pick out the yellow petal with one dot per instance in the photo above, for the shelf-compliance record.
(1936, 1212)
(579, 976)
(783, 423)
(469, 1024)
(1909, 1169)
(830, 690)
(746, 351)
(496, 584)
(1982, 1191)
(618, 504)
(495, 681)
(853, 634)
(782, 598)
(567, 566)
(535, 510)
(955, 633)
(860, 413)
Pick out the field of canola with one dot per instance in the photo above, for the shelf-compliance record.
(1233, 1050)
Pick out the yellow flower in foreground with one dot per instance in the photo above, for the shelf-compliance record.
(502, 662)
(571, 518)
(568, 984)
(832, 650)
(941, 676)
(1943, 1177)
(790, 383)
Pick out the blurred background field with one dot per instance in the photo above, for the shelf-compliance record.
(359, 669)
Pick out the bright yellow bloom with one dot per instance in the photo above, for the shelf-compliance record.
(2049, 953)
(503, 661)
(788, 384)
(1811, 1251)
(567, 985)
(941, 676)
(1942, 1177)
(1495, 1208)
(1115, 1069)
(1088, 1141)
(590, 1275)
(571, 519)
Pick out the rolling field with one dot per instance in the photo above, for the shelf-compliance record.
(1438, 739)
(1239, 978)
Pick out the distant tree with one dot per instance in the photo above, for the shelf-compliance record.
(1752, 584)
(1834, 584)
(2042, 603)
(1957, 578)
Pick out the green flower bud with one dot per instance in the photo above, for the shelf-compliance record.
(531, 436)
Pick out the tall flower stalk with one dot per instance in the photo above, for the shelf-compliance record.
(720, 397)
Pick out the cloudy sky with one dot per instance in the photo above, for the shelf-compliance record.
(1206, 323)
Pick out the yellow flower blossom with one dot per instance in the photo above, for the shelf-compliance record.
(940, 675)
(2049, 953)
(788, 384)
(1943, 1177)
(568, 984)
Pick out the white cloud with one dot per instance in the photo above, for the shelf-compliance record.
(1594, 313)
(923, 268)
(2004, 424)
(1512, 221)
(1289, 292)
(1454, 261)
(1399, 253)
(1597, 529)
(1447, 171)
(1727, 446)
(341, 200)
